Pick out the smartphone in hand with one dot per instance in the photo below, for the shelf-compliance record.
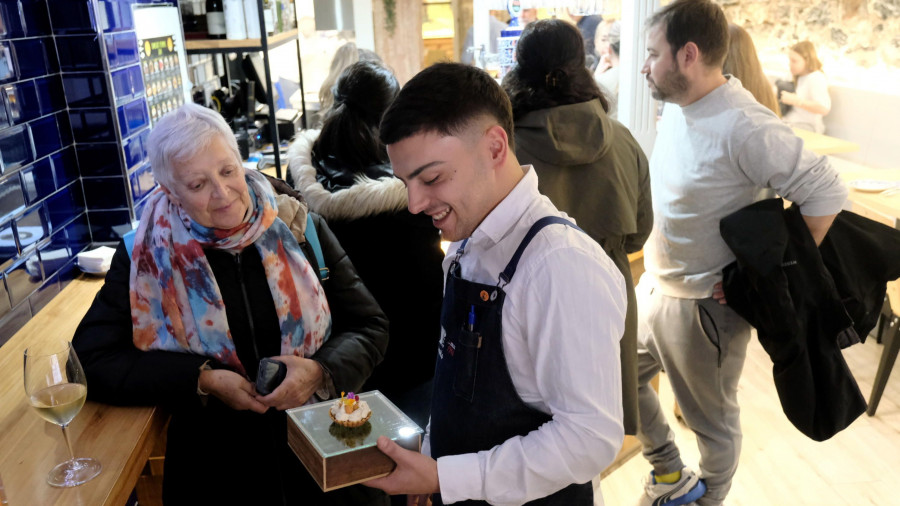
(271, 373)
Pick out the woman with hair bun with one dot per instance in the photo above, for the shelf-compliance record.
(588, 164)
(344, 173)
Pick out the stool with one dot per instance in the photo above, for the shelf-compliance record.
(883, 319)
(891, 347)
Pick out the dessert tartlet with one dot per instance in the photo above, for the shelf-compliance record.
(349, 411)
(351, 437)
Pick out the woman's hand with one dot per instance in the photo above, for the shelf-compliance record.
(789, 98)
(232, 389)
(603, 65)
(304, 377)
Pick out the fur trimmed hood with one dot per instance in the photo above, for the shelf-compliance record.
(366, 197)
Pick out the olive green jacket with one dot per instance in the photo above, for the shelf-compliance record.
(591, 167)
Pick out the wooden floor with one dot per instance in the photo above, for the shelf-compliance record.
(779, 465)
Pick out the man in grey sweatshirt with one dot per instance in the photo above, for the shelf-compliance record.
(718, 150)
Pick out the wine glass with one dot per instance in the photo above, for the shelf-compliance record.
(56, 388)
(3, 500)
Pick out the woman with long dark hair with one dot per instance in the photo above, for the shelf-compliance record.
(588, 164)
(345, 175)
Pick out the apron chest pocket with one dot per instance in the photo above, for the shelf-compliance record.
(466, 362)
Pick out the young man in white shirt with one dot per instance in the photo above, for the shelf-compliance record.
(717, 151)
(527, 401)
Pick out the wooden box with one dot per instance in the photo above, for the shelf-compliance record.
(337, 456)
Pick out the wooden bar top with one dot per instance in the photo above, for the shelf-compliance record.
(121, 438)
(824, 145)
(879, 206)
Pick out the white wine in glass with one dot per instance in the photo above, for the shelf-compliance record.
(3, 500)
(56, 388)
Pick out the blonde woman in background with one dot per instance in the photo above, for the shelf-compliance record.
(811, 101)
(743, 63)
(346, 55)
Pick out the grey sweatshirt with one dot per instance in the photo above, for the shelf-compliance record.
(711, 158)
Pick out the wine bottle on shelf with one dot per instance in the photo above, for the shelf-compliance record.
(251, 15)
(269, 18)
(188, 18)
(287, 12)
(235, 26)
(200, 17)
(215, 19)
(279, 19)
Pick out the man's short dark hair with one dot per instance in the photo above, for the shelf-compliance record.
(445, 98)
(699, 21)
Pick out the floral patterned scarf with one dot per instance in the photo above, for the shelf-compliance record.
(175, 301)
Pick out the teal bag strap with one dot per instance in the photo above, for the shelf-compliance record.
(312, 237)
(129, 242)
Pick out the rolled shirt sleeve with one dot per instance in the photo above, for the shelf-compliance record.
(774, 157)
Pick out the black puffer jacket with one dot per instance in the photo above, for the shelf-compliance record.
(216, 455)
(398, 256)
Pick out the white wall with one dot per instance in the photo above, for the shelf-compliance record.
(869, 118)
(363, 24)
(637, 109)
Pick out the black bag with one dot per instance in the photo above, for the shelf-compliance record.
(782, 85)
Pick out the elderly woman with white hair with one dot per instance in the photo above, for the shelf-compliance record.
(220, 276)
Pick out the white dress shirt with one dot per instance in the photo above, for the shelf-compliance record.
(562, 320)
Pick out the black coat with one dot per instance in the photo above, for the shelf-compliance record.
(862, 256)
(216, 455)
(397, 255)
(786, 287)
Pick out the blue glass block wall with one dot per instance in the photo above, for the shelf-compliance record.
(104, 89)
(73, 125)
(43, 223)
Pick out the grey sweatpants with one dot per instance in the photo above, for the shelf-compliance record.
(701, 345)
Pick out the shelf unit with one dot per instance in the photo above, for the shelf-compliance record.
(199, 46)
(263, 45)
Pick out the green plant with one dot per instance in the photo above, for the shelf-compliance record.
(390, 15)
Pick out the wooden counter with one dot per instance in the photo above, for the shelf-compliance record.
(121, 438)
(824, 145)
(881, 207)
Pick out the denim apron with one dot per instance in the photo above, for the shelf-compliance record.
(475, 405)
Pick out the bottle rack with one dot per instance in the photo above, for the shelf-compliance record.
(263, 45)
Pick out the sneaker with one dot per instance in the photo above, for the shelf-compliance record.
(684, 491)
